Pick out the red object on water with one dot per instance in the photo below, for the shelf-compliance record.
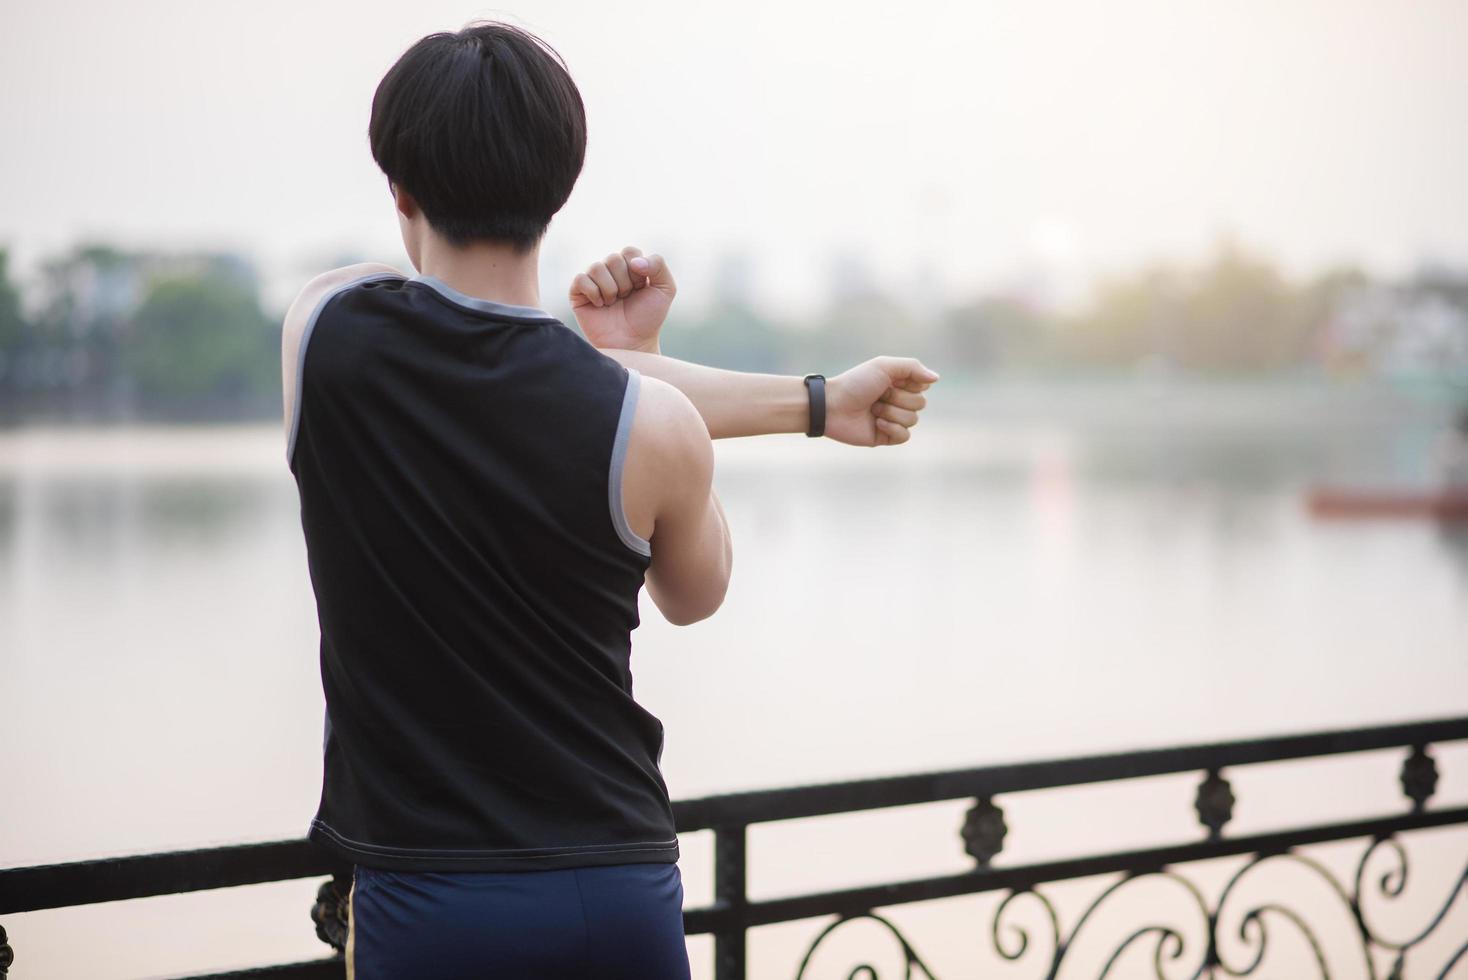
(1340, 504)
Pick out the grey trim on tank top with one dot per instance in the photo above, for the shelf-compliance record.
(290, 443)
(481, 305)
(614, 475)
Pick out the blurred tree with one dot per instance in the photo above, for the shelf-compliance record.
(994, 333)
(121, 333)
(730, 334)
(856, 326)
(201, 335)
(13, 327)
(86, 292)
(1239, 314)
(1128, 321)
(85, 296)
(1236, 314)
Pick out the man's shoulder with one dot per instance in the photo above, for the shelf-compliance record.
(669, 431)
(293, 329)
(327, 284)
(670, 458)
(669, 411)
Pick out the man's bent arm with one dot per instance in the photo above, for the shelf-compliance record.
(669, 498)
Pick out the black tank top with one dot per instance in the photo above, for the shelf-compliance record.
(459, 465)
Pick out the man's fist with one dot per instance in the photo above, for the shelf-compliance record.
(622, 301)
(875, 403)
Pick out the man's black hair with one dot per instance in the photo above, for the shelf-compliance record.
(485, 129)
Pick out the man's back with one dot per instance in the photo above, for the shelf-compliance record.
(459, 466)
(476, 568)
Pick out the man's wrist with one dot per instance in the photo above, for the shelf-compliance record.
(788, 403)
(643, 347)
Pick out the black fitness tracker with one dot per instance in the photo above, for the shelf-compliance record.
(815, 386)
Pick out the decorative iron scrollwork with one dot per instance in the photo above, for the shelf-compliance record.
(1228, 939)
(983, 831)
(1419, 777)
(7, 955)
(1023, 945)
(330, 911)
(910, 959)
(1215, 803)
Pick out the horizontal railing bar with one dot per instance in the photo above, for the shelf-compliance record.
(853, 901)
(50, 886)
(146, 875)
(762, 806)
(326, 968)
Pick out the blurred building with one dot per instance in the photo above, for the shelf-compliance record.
(1410, 329)
(68, 360)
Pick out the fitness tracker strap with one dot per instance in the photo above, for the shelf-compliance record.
(815, 386)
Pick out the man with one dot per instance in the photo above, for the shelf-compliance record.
(483, 494)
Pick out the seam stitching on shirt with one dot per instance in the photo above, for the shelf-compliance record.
(504, 315)
(504, 854)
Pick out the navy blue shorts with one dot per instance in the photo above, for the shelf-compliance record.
(601, 923)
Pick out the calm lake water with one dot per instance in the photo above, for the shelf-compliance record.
(1045, 570)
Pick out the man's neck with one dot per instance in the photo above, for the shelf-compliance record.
(485, 270)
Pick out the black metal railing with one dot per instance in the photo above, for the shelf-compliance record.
(733, 914)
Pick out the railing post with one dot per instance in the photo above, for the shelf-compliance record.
(7, 955)
(729, 866)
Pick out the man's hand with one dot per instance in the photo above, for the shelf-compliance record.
(875, 403)
(622, 301)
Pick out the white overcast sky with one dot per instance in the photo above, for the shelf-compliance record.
(945, 147)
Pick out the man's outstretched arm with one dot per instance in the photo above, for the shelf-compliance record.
(621, 303)
(873, 404)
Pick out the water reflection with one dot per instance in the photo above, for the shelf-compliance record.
(1067, 579)
(9, 514)
(83, 515)
(1454, 537)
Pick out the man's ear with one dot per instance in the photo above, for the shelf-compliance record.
(404, 202)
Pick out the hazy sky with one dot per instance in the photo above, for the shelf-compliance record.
(940, 147)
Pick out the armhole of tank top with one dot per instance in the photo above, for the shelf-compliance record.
(614, 472)
(306, 331)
